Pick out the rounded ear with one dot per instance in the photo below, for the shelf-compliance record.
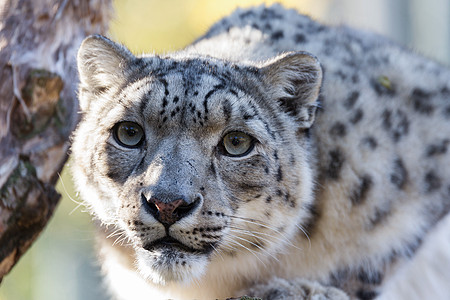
(294, 80)
(102, 64)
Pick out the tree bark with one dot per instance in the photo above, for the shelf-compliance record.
(38, 109)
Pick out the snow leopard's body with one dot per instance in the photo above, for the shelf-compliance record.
(336, 190)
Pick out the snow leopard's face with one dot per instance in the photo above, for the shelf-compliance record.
(195, 159)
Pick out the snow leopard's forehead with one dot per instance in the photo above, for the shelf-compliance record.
(172, 95)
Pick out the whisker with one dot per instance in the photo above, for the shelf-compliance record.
(306, 234)
(257, 222)
(259, 247)
(217, 251)
(120, 239)
(118, 231)
(249, 233)
(249, 250)
(79, 204)
(259, 234)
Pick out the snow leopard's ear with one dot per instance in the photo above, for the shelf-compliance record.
(294, 80)
(102, 64)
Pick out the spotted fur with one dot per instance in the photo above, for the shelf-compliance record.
(344, 179)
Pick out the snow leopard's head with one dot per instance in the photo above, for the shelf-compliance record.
(195, 159)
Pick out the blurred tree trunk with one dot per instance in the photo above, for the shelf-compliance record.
(38, 109)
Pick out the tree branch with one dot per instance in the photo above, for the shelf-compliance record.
(38, 109)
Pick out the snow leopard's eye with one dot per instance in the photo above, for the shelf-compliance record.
(237, 143)
(128, 134)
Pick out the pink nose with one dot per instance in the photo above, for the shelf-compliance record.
(169, 212)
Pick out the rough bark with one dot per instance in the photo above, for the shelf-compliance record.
(38, 109)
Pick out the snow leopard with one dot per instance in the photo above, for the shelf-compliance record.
(275, 157)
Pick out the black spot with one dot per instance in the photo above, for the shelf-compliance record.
(336, 159)
(274, 294)
(267, 27)
(164, 82)
(317, 28)
(381, 213)
(420, 100)
(269, 13)
(164, 119)
(176, 99)
(359, 194)
(432, 182)
(279, 174)
(248, 186)
(287, 199)
(173, 113)
(372, 277)
(246, 14)
(312, 219)
(292, 159)
(195, 93)
(247, 116)
(300, 38)
(144, 102)
(338, 129)
(370, 142)
(396, 124)
(411, 247)
(363, 294)
(234, 93)
(351, 100)
(338, 277)
(289, 106)
(275, 154)
(341, 75)
(269, 199)
(387, 123)
(357, 116)
(437, 149)
(209, 94)
(164, 103)
(407, 249)
(399, 174)
(277, 35)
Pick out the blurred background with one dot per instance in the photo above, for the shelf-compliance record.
(62, 262)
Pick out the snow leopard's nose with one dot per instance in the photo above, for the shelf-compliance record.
(170, 212)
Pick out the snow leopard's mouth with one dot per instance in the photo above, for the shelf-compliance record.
(169, 243)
